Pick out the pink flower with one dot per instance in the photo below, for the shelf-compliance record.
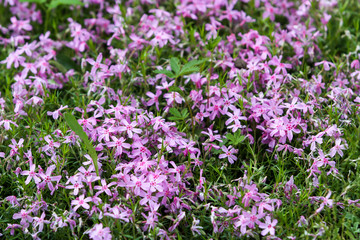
(96, 64)
(129, 128)
(154, 99)
(326, 65)
(251, 194)
(24, 216)
(6, 124)
(48, 179)
(119, 144)
(104, 188)
(173, 96)
(56, 113)
(81, 202)
(337, 148)
(235, 117)
(98, 232)
(31, 174)
(51, 144)
(228, 152)
(39, 221)
(13, 58)
(268, 226)
(12, 228)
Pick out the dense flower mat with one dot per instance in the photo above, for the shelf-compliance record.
(152, 119)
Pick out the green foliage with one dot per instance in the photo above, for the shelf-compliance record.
(75, 126)
(177, 115)
(179, 70)
(235, 139)
(55, 3)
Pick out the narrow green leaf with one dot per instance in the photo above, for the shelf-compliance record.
(33, 1)
(55, 3)
(75, 126)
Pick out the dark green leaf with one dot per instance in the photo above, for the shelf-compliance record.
(75, 126)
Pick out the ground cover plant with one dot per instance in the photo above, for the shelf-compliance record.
(185, 119)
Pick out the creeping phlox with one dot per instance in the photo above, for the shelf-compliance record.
(178, 99)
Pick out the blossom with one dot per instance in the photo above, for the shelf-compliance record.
(25, 217)
(195, 228)
(228, 152)
(173, 97)
(98, 232)
(268, 226)
(6, 124)
(119, 144)
(48, 179)
(31, 175)
(154, 98)
(39, 222)
(337, 148)
(129, 128)
(56, 113)
(81, 202)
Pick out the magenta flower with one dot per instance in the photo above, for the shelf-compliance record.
(173, 97)
(154, 98)
(25, 217)
(235, 117)
(228, 153)
(40, 221)
(81, 202)
(337, 148)
(104, 188)
(268, 226)
(98, 232)
(129, 128)
(31, 175)
(48, 179)
(56, 113)
(119, 144)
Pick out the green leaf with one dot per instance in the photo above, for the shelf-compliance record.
(194, 63)
(33, 1)
(75, 126)
(56, 3)
(186, 71)
(66, 61)
(175, 112)
(184, 113)
(175, 65)
(212, 43)
(168, 73)
(175, 89)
